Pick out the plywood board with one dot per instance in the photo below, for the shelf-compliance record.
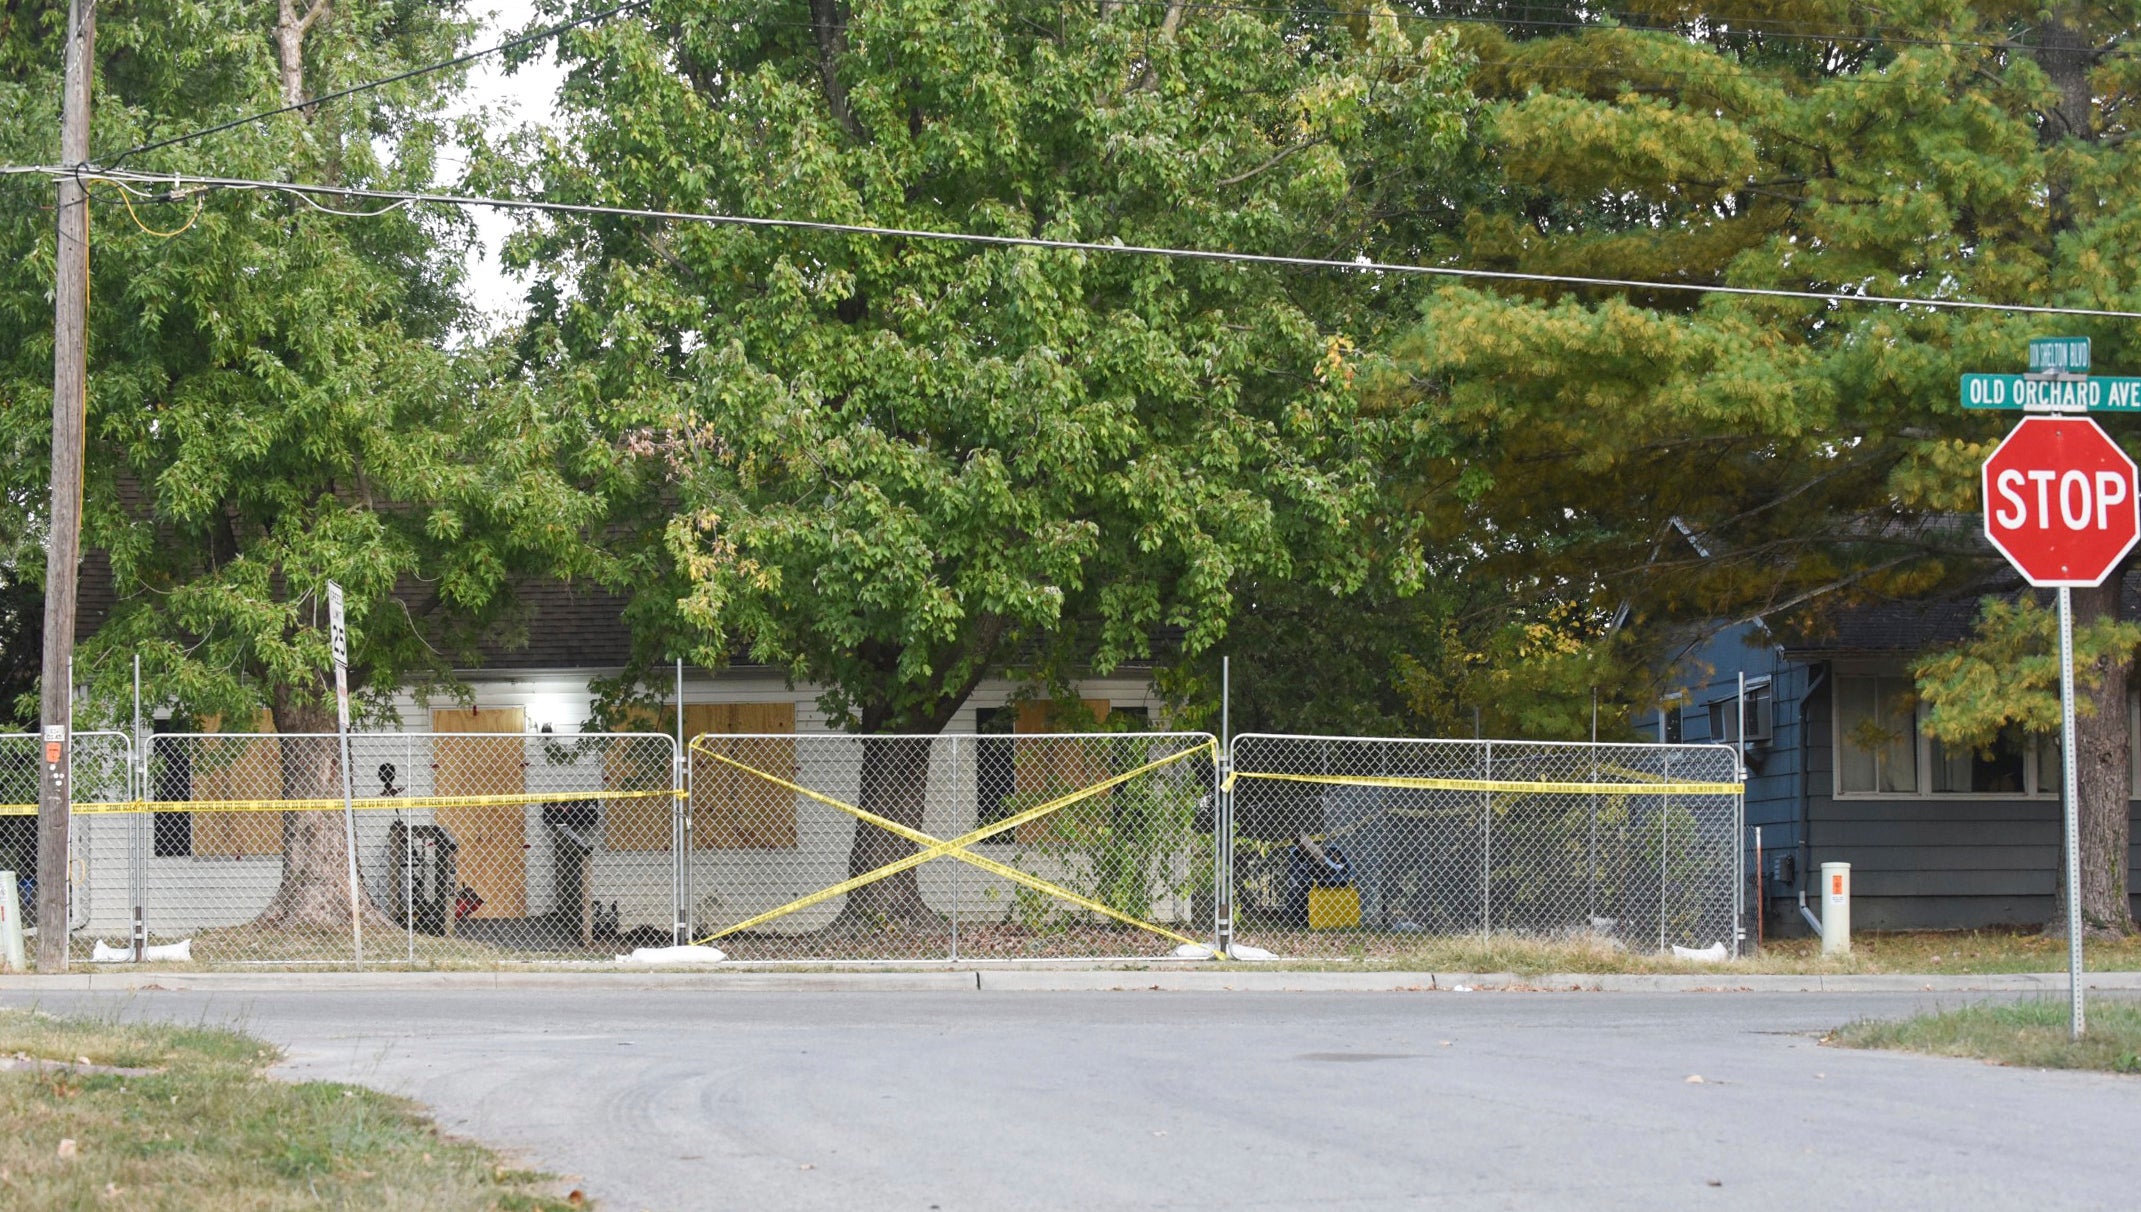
(637, 824)
(734, 809)
(492, 857)
(1040, 772)
(243, 767)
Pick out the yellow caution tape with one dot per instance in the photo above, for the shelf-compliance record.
(934, 848)
(364, 804)
(1493, 785)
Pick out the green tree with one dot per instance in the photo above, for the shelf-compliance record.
(276, 400)
(890, 466)
(1687, 456)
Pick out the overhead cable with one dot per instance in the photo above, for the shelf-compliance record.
(1359, 265)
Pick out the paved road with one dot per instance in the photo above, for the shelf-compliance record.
(689, 1099)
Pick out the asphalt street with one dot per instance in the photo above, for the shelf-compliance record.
(935, 1101)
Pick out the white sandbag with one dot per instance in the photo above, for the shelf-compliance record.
(1243, 951)
(1710, 954)
(180, 952)
(674, 955)
(1193, 951)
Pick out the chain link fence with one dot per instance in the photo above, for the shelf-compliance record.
(506, 847)
(1363, 844)
(468, 847)
(951, 847)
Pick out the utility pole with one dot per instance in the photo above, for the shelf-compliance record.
(70, 401)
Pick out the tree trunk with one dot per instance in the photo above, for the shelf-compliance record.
(314, 893)
(2103, 775)
(895, 785)
(2101, 741)
(290, 30)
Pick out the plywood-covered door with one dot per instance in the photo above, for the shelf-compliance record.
(1044, 771)
(731, 808)
(492, 838)
(240, 768)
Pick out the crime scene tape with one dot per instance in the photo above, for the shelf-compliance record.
(1527, 786)
(360, 804)
(935, 848)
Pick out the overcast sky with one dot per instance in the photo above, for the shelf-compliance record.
(527, 95)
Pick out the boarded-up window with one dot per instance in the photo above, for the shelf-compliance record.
(633, 765)
(242, 768)
(492, 839)
(1043, 772)
(732, 806)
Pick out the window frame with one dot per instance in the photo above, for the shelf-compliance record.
(1922, 752)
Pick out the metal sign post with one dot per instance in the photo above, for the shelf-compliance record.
(2060, 504)
(338, 634)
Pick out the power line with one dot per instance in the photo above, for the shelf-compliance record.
(1363, 265)
(354, 89)
(1757, 29)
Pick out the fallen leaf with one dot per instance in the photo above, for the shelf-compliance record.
(1446, 1043)
(67, 1147)
(1715, 1182)
(806, 1166)
(1694, 1079)
(111, 1190)
(574, 1198)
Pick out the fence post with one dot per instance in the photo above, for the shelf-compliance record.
(1665, 825)
(1486, 850)
(955, 866)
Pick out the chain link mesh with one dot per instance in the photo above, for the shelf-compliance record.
(1390, 840)
(486, 847)
(470, 848)
(1099, 845)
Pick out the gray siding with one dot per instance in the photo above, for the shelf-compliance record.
(1936, 862)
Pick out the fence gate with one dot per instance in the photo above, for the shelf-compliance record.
(951, 847)
(1383, 839)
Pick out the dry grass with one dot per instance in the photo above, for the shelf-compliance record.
(207, 1128)
(1959, 953)
(2031, 1034)
(1962, 953)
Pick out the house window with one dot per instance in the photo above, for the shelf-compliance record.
(1996, 768)
(1877, 735)
(1725, 716)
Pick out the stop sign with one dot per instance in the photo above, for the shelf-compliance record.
(2060, 501)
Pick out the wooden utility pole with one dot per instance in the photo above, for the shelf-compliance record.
(70, 401)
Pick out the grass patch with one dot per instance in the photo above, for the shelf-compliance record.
(1923, 952)
(208, 1128)
(2031, 1034)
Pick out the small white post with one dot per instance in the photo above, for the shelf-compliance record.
(1836, 908)
(11, 923)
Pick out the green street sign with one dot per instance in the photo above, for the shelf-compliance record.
(2103, 393)
(2059, 355)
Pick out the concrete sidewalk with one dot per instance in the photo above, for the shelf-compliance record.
(1202, 978)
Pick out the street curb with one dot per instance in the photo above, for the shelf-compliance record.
(1201, 979)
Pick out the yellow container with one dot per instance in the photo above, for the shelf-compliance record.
(1333, 908)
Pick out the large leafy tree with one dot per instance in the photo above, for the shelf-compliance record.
(891, 466)
(1660, 456)
(276, 400)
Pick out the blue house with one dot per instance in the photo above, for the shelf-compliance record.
(1839, 769)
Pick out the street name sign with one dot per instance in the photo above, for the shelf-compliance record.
(2026, 393)
(2059, 355)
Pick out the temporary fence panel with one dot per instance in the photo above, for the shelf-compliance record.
(842, 847)
(470, 847)
(1358, 844)
(99, 772)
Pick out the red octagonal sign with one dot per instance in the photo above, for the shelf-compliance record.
(2060, 502)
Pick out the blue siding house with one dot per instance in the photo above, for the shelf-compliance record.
(1839, 769)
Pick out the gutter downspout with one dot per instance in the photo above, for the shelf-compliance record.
(1806, 700)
